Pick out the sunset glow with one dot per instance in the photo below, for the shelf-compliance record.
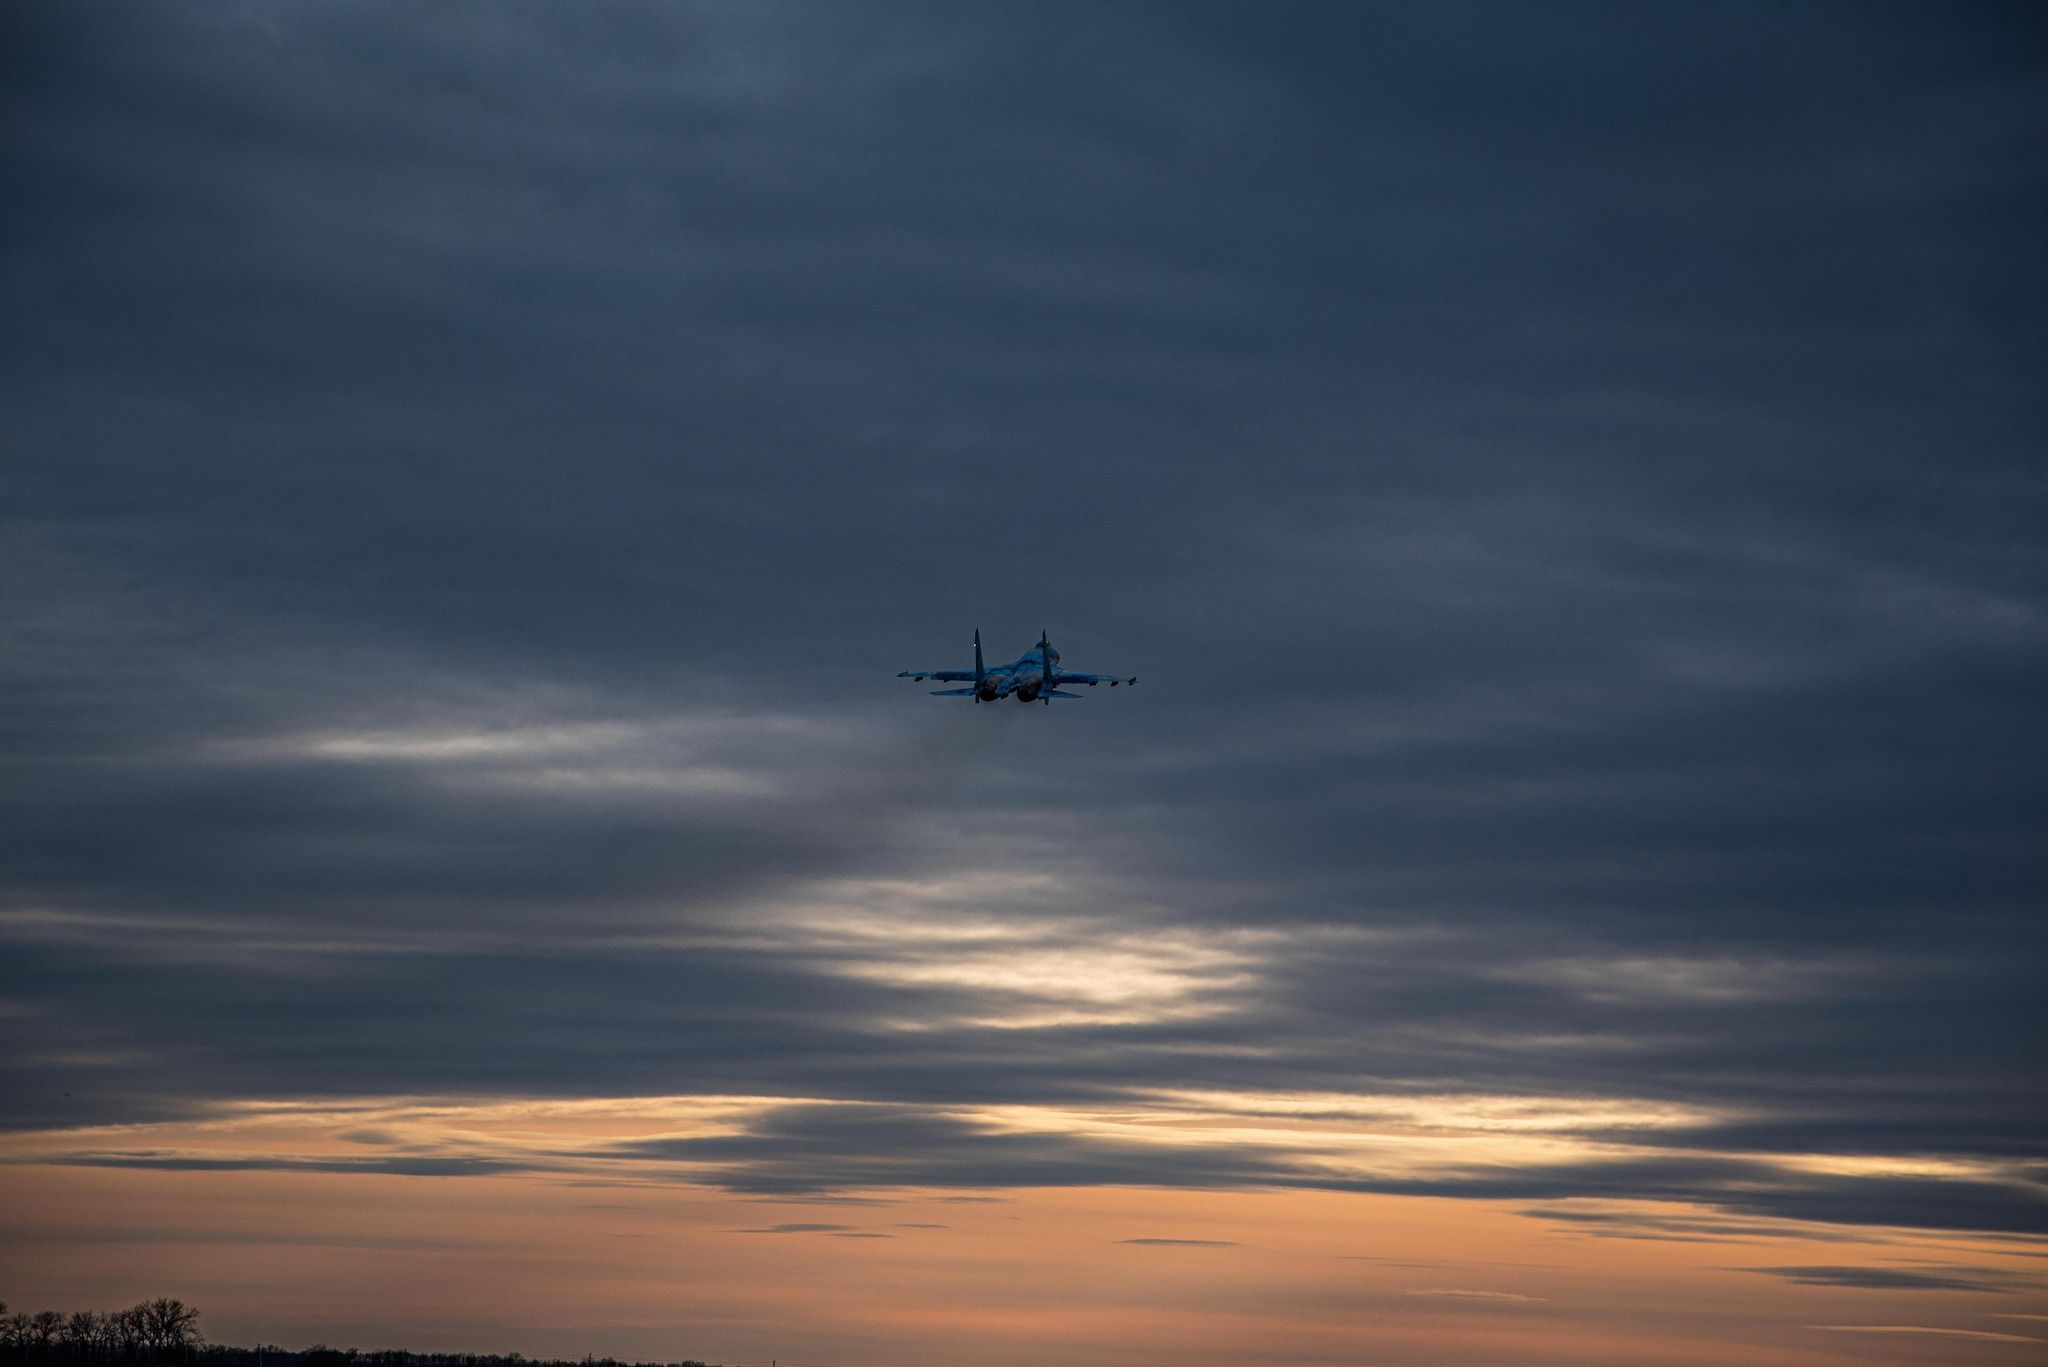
(574, 776)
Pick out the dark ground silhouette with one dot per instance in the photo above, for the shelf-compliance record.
(167, 1331)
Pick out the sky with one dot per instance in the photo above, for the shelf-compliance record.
(1570, 481)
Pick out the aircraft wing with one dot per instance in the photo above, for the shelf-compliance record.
(1061, 676)
(942, 675)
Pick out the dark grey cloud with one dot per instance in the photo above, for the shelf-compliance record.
(1689, 1227)
(1895, 1278)
(1935, 1331)
(1570, 480)
(1181, 1243)
(34, 1234)
(398, 1165)
(800, 1149)
(1746, 1187)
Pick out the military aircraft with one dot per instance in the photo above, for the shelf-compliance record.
(1028, 678)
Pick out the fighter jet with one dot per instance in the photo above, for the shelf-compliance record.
(1028, 678)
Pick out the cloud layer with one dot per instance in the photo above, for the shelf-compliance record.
(1571, 485)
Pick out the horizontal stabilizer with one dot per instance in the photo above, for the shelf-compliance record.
(1055, 693)
(952, 692)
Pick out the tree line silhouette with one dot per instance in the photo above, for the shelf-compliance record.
(166, 1331)
(162, 1330)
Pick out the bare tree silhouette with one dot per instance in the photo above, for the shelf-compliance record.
(166, 1331)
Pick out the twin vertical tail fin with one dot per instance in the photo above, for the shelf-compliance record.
(978, 671)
